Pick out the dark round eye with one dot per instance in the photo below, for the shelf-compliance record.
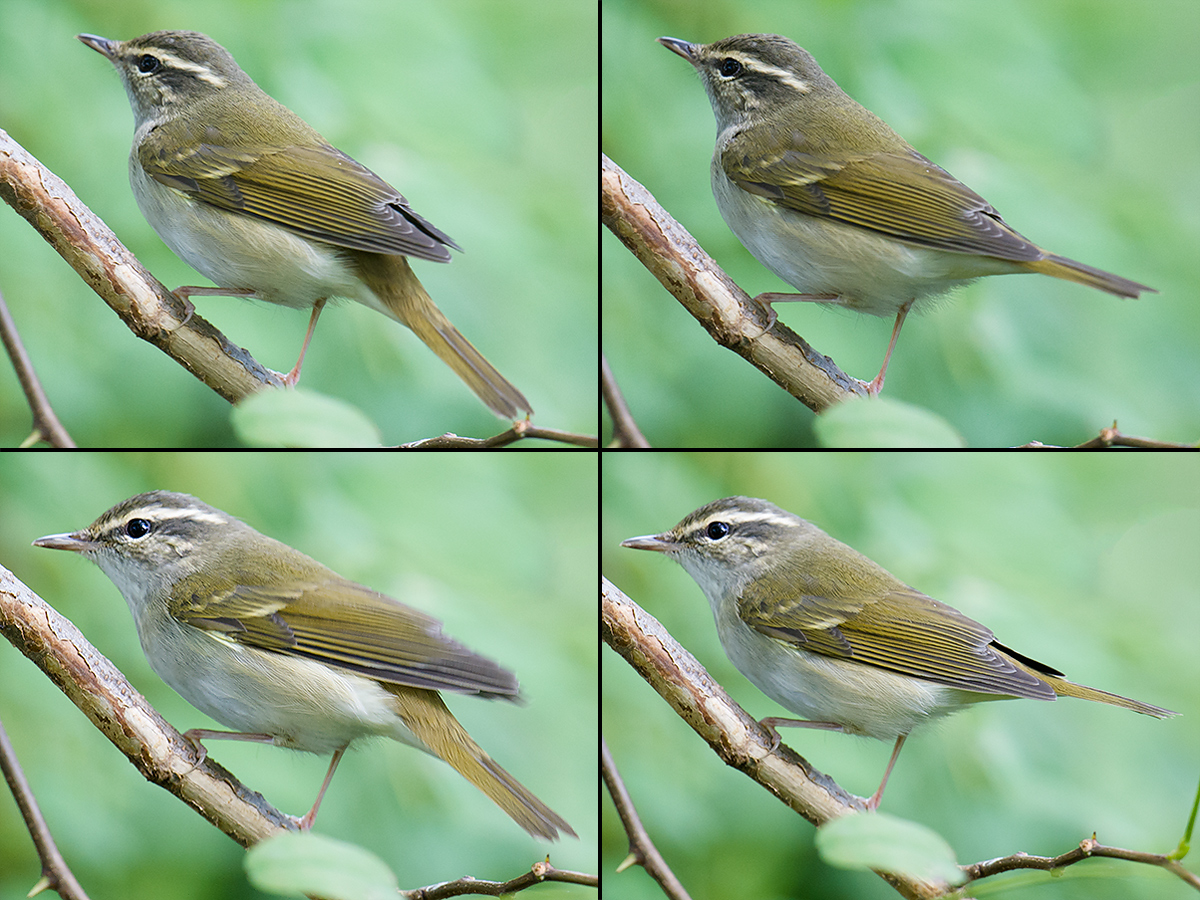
(148, 64)
(137, 528)
(730, 67)
(717, 530)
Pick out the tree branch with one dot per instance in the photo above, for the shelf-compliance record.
(727, 312)
(151, 311)
(734, 735)
(158, 751)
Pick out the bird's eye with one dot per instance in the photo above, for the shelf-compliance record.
(147, 64)
(717, 530)
(137, 528)
(730, 67)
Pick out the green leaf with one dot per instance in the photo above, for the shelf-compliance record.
(880, 422)
(302, 418)
(889, 844)
(298, 863)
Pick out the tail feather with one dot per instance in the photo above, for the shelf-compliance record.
(1068, 269)
(401, 296)
(427, 717)
(1065, 688)
(469, 364)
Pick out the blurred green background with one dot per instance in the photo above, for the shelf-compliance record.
(1086, 564)
(1076, 119)
(501, 548)
(482, 114)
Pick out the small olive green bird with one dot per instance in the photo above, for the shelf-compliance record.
(828, 197)
(832, 636)
(273, 644)
(250, 195)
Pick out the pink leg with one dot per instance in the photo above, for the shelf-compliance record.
(873, 387)
(186, 291)
(877, 385)
(873, 803)
(767, 299)
(293, 376)
(771, 723)
(196, 735)
(307, 822)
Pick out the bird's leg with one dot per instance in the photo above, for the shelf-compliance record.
(771, 723)
(873, 803)
(293, 376)
(767, 299)
(307, 822)
(874, 387)
(187, 290)
(195, 735)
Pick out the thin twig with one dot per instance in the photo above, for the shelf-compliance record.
(538, 873)
(642, 851)
(1112, 437)
(46, 426)
(519, 432)
(1086, 849)
(56, 874)
(625, 431)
